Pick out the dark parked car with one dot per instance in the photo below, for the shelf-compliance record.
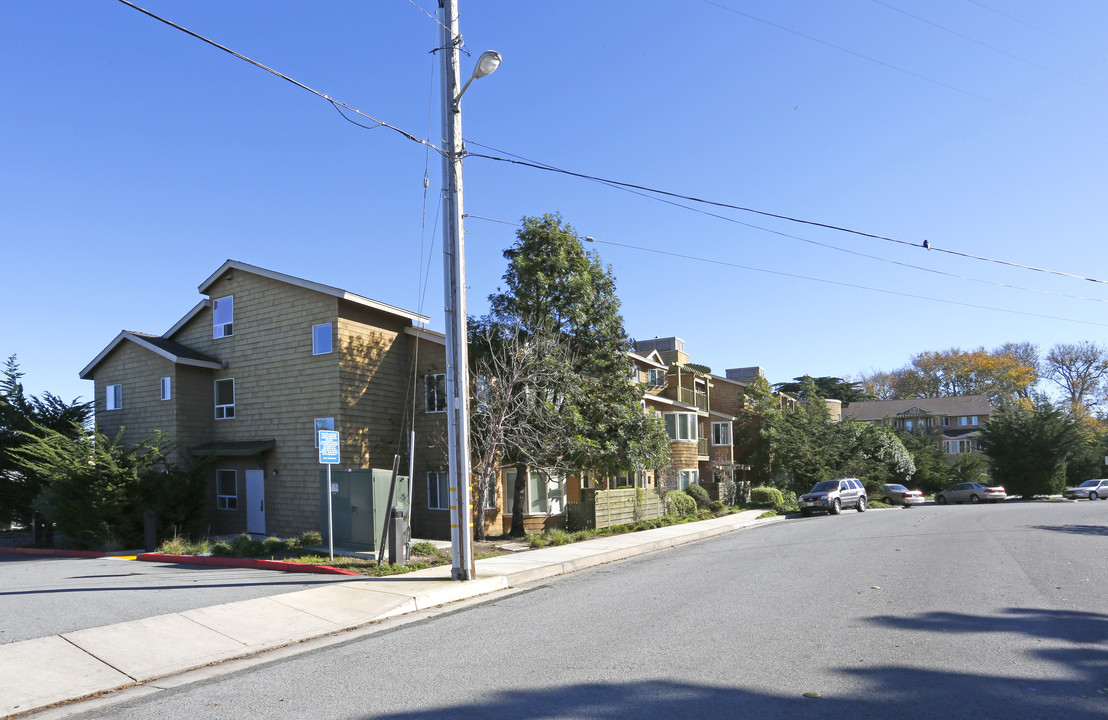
(1091, 489)
(898, 495)
(833, 496)
(970, 492)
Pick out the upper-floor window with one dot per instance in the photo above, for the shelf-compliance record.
(721, 433)
(434, 387)
(968, 420)
(226, 490)
(114, 397)
(321, 339)
(681, 426)
(656, 378)
(223, 317)
(224, 399)
(166, 388)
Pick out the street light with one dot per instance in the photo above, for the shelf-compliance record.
(457, 355)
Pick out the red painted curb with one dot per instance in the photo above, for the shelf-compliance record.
(245, 563)
(54, 553)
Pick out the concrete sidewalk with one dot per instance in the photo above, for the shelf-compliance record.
(45, 671)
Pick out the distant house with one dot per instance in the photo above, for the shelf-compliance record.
(251, 373)
(958, 420)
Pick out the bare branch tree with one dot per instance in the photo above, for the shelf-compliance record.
(1081, 371)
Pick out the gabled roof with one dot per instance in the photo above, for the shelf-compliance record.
(880, 409)
(651, 358)
(175, 352)
(914, 410)
(309, 285)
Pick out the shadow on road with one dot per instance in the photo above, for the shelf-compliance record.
(1101, 530)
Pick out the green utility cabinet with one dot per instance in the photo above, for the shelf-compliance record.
(360, 507)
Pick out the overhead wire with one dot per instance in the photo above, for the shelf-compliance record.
(1043, 30)
(987, 45)
(882, 63)
(925, 245)
(337, 104)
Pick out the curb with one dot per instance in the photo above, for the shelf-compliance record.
(251, 563)
(51, 552)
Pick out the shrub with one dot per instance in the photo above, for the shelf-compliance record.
(681, 504)
(222, 549)
(715, 506)
(246, 546)
(310, 539)
(788, 503)
(424, 548)
(272, 545)
(536, 541)
(557, 537)
(765, 496)
(699, 494)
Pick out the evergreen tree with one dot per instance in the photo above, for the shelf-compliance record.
(1028, 446)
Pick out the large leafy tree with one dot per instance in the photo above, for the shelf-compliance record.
(932, 473)
(22, 419)
(828, 387)
(1028, 446)
(553, 285)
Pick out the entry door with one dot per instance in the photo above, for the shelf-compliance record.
(255, 502)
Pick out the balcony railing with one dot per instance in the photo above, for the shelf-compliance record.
(693, 397)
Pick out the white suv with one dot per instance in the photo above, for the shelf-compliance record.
(833, 496)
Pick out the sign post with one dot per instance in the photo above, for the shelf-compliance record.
(329, 455)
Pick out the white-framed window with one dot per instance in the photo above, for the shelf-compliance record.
(226, 490)
(434, 387)
(545, 493)
(322, 424)
(166, 388)
(721, 433)
(656, 378)
(965, 446)
(689, 477)
(225, 399)
(946, 421)
(490, 496)
(113, 399)
(681, 426)
(968, 420)
(321, 339)
(223, 317)
(438, 490)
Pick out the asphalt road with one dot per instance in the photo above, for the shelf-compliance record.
(42, 596)
(992, 611)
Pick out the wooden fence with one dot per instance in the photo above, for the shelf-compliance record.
(607, 508)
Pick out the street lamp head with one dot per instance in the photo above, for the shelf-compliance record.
(487, 64)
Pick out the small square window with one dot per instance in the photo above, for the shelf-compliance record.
(114, 397)
(225, 399)
(167, 388)
(321, 339)
(226, 490)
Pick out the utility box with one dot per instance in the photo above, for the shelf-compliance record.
(359, 508)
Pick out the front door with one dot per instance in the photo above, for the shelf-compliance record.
(255, 502)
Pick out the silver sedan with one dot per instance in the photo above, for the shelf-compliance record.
(1091, 489)
(970, 492)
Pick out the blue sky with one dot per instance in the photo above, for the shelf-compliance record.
(137, 159)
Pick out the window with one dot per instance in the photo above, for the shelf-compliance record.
(681, 426)
(965, 446)
(490, 496)
(689, 477)
(322, 424)
(166, 388)
(721, 433)
(223, 317)
(509, 491)
(969, 420)
(226, 490)
(438, 490)
(224, 399)
(656, 378)
(435, 391)
(946, 421)
(114, 397)
(546, 493)
(321, 339)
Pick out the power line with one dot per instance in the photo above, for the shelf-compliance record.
(916, 75)
(925, 245)
(842, 284)
(1056, 36)
(337, 104)
(988, 46)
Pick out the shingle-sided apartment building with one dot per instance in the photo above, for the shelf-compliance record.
(957, 420)
(251, 373)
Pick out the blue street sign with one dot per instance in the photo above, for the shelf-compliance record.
(329, 447)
